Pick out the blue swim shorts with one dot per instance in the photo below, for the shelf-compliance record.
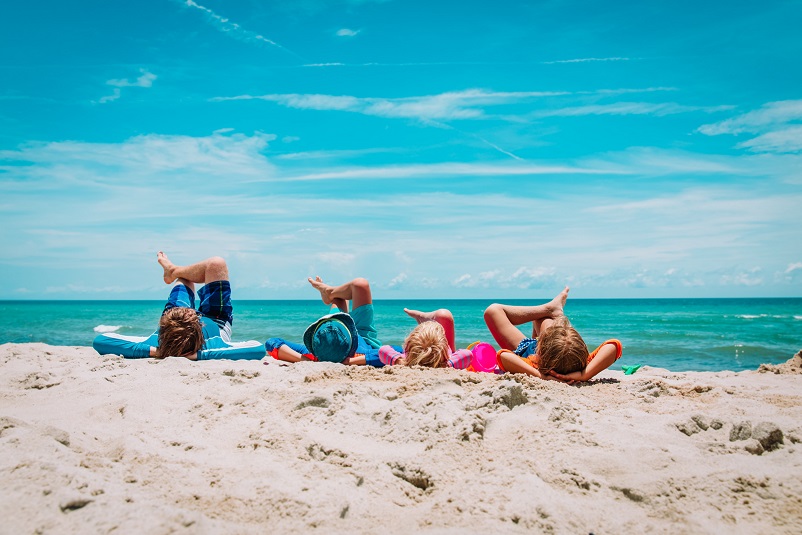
(363, 319)
(526, 348)
(215, 301)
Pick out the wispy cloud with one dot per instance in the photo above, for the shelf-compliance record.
(450, 169)
(145, 79)
(115, 94)
(470, 104)
(784, 140)
(445, 106)
(775, 122)
(346, 32)
(147, 157)
(629, 108)
(231, 28)
(585, 60)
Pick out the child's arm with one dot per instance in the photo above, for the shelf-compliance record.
(460, 359)
(131, 347)
(390, 357)
(512, 363)
(601, 359)
(280, 349)
(356, 360)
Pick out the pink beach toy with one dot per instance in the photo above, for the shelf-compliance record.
(484, 357)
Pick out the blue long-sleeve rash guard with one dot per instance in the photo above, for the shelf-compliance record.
(216, 345)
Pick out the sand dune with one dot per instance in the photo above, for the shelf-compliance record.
(92, 444)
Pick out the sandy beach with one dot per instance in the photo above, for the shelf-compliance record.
(92, 444)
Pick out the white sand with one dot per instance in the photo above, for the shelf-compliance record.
(92, 444)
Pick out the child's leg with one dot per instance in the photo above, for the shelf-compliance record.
(357, 291)
(502, 320)
(442, 316)
(209, 270)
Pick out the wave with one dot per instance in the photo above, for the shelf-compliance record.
(106, 328)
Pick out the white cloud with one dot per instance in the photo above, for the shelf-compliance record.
(464, 281)
(146, 158)
(345, 32)
(471, 104)
(585, 60)
(232, 28)
(793, 267)
(456, 105)
(451, 169)
(784, 140)
(744, 278)
(398, 281)
(145, 80)
(110, 98)
(774, 121)
(629, 108)
(768, 116)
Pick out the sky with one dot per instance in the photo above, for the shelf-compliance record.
(449, 149)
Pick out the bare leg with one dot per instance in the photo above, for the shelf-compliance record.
(206, 271)
(502, 320)
(442, 316)
(357, 291)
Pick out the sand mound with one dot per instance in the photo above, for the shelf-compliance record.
(792, 366)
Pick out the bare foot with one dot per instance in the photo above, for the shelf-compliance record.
(324, 289)
(419, 316)
(557, 304)
(169, 267)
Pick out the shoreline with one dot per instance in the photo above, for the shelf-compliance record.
(101, 444)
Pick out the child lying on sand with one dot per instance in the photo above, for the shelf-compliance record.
(346, 337)
(429, 344)
(183, 331)
(555, 349)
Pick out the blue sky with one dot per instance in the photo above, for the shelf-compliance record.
(468, 149)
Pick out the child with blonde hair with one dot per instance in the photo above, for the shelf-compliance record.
(430, 344)
(555, 350)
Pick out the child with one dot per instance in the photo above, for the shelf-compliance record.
(430, 344)
(346, 337)
(201, 334)
(555, 350)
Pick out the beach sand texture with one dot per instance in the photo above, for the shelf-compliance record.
(92, 444)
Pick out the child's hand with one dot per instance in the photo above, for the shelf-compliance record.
(562, 378)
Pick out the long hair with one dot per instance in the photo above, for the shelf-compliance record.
(180, 333)
(562, 349)
(427, 346)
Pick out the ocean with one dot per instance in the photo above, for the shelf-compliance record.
(677, 334)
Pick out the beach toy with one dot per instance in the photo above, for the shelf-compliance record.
(629, 370)
(484, 357)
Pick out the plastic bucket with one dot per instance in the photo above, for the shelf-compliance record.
(484, 357)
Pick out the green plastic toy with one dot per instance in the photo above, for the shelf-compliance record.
(629, 370)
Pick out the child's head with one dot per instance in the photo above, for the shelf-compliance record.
(180, 333)
(427, 345)
(561, 349)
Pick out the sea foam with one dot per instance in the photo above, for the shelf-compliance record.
(106, 328)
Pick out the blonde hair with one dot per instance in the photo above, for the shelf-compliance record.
(562, 349)
(180, 333)
(427, 346)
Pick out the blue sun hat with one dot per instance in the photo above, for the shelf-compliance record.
(332, 338)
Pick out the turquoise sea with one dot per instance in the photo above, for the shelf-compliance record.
(678, 334)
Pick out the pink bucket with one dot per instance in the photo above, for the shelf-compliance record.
(484, 357)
